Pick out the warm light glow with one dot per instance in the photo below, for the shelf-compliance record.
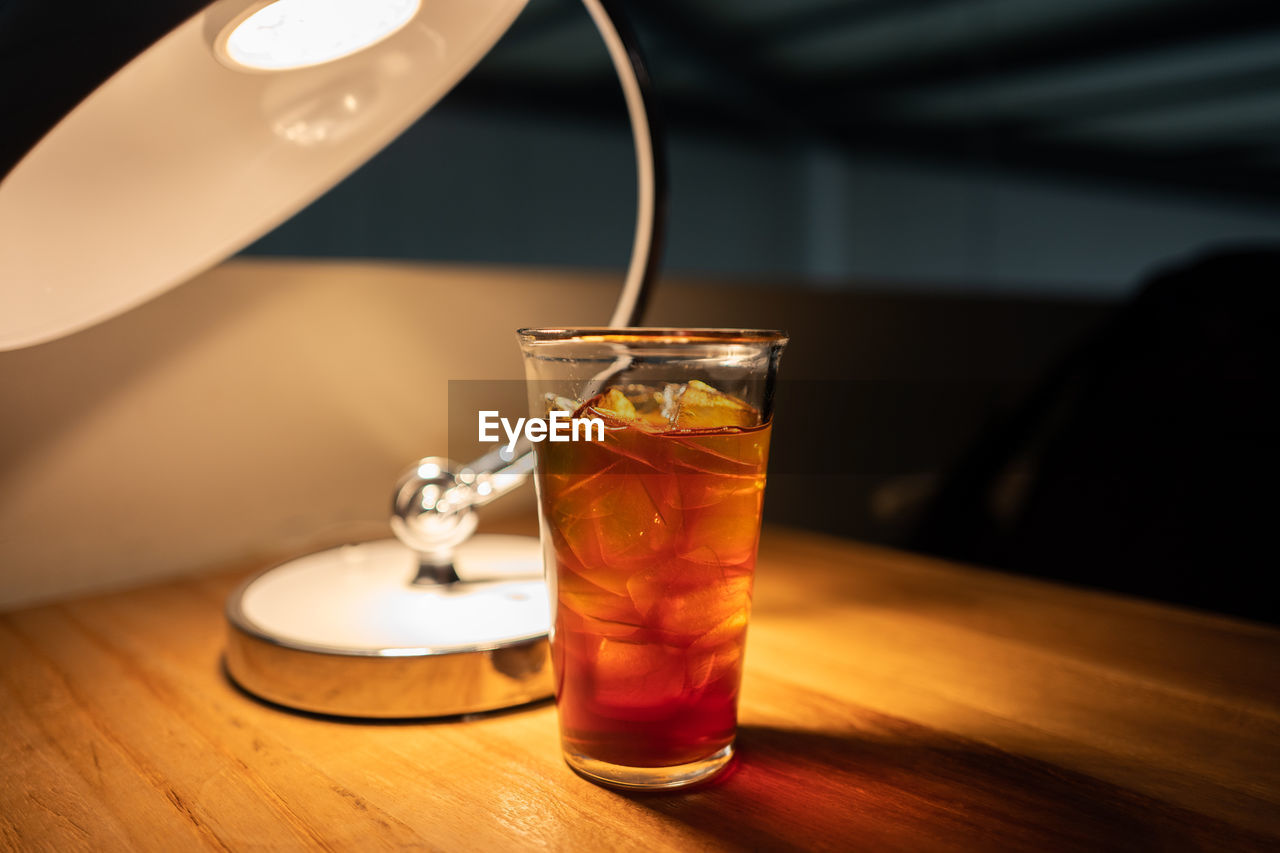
(298, 33)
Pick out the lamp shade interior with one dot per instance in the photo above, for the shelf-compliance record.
(184, 157)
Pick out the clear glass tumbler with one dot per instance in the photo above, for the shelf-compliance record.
(650, 504)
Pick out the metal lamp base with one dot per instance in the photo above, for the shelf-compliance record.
(347, 631)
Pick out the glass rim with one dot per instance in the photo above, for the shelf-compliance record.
(652, 334)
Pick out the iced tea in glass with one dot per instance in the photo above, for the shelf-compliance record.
(650, 527)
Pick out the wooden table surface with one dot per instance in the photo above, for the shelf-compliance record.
(890, 702)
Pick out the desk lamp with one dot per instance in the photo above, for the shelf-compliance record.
(218, 132)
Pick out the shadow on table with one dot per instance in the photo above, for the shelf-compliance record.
(924, 791)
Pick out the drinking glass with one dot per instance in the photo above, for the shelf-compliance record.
(650, 516)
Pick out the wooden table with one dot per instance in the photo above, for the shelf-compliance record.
(890, 702)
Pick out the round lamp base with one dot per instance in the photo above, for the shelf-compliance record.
(347, 631)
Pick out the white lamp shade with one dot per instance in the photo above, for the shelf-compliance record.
(182, 158)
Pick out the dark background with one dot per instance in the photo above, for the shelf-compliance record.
(1061, 147)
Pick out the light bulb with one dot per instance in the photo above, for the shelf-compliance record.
(298, 33)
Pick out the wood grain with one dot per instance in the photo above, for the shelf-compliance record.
(891, 702)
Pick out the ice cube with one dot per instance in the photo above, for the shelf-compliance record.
(719, 453)
(697, 405)
(653, 588)
(583, 601)
(556, 403)
(729, 529)
(614, 404)
(579, 550)
(637, 676)
(649, 404)
(646, 589)
(699, 668)
(689, 605)
(707, 665)
(729, 631)
(574, 494)
(635, 405)
(630, 524)
(699, 489)
(570, 621)
(640, 525)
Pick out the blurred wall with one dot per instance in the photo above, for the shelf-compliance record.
(484, 187)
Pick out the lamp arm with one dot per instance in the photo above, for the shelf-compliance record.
(434, 527)
(651, 157)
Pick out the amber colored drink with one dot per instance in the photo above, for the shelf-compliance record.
(654, 531)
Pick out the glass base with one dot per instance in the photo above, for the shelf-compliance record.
(649, 778)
